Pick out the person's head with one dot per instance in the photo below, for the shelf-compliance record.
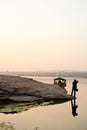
(75, 81)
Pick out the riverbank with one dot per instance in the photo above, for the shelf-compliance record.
(20, 89)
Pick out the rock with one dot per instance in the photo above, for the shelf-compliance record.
(20, 89)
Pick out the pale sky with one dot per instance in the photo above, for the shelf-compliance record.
(43, 35)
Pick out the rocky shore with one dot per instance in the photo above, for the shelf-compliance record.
(20, 89)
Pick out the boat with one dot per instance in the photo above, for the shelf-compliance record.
(60, 81)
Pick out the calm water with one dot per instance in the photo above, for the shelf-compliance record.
(51, 117)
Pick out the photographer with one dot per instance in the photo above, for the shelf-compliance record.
(74, 88)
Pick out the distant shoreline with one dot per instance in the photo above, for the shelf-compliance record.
(72, 74)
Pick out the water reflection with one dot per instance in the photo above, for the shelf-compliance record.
(6, 126)
(12, 108)
(9, 126)
(16, 108)
(74, 107)
(36, 128)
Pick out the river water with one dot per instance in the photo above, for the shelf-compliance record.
(64, 116)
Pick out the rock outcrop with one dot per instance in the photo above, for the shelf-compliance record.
(20, 89)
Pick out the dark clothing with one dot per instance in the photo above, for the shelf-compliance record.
(74, 87)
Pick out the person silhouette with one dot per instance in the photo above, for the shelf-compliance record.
(74, 88)
(74, 107)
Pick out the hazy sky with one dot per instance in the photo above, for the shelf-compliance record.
(43, 35)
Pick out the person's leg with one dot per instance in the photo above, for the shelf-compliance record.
(74, 93)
